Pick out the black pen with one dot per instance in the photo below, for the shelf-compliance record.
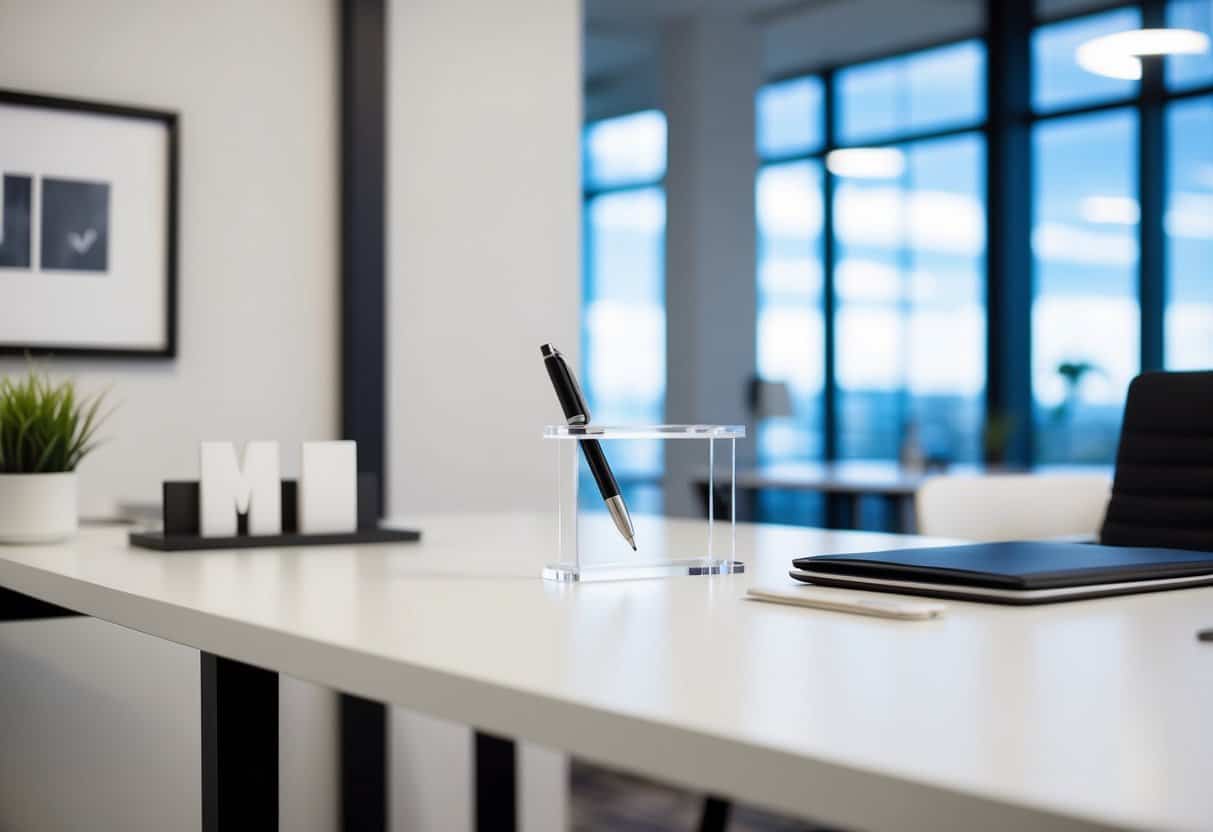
(577, 412)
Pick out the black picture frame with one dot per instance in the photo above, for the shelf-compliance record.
(170, 121)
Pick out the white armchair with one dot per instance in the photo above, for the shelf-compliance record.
(1013, 506)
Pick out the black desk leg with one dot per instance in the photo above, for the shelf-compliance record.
(17, 607)
(363, 765)
(239, 746)
(496, 804)
(715, 817)
(898, 513)
(841, 511)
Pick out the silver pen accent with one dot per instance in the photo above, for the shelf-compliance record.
(623, 522)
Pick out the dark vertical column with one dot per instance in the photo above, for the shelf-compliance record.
(363, 724)
(709, 70)
(1008, 221)
(239, 746)
(1152, 196)
(829, 303)
(496, 787)
(363, 132)
(364, 765)
(714, 816)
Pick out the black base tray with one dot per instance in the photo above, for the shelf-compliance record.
(189, 543)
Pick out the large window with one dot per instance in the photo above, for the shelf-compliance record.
(791, 335)
(910, 245)
(875, 212)
(624, 316)
(907, 169)
(1187, 71)
(1188, 220)
(905, 264)
(1188, 224)
(910, 322)
(927, 91)
(1090, 318)
(1086, 342)
(789, 120)
(1058, 81)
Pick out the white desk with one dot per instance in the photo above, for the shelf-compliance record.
(1094, 714)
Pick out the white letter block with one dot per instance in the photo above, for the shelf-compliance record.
(226, 488)
(328, 487)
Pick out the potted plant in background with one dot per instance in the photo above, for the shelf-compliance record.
(45, 430)
(996, 435)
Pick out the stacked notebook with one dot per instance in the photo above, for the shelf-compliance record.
(1012, 573)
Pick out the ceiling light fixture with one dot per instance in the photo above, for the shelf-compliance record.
(1119, 55)
(866, 162)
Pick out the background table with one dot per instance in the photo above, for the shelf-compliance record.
(1077, 716)
(847, 483)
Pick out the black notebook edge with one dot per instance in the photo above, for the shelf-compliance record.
(869, 565)
(999, 595)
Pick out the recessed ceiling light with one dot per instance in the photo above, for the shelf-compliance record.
(1119, 55)
(866, 162)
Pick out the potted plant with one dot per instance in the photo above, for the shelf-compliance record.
(45, 430)
(996, 436)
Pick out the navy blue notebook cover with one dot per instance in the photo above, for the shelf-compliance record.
(1015, 566)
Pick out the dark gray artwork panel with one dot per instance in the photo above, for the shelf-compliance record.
(75, 225)
(15, 231)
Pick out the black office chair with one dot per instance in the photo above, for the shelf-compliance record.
(1163, 491)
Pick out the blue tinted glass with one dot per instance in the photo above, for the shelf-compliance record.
(1085, 316)
(1057, 79)
(791, 333)
(625, 150)
(1190, 70)
(1189, 228)
(789, 117)
(624, 319)
(927, 90)
(909, 287)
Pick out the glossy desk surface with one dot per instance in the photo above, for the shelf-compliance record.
(1096, 714)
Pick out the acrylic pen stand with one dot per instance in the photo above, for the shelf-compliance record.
(590, 548)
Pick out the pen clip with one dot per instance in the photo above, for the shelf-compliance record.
(577, 410)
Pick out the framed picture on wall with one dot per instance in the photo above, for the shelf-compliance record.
(88, 228)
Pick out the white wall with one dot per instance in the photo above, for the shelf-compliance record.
(255, 84)
(710, 75)
(484, 212)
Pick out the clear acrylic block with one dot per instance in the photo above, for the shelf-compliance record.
(590, 548)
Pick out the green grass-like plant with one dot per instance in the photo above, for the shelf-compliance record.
(45, 428)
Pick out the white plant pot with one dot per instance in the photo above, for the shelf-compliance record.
(37, 508)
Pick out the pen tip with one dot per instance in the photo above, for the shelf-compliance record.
(633, 547)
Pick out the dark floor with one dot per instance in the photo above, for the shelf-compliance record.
(603, 799)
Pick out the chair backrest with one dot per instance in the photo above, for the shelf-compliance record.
(1012, 506)
(1163, 491)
